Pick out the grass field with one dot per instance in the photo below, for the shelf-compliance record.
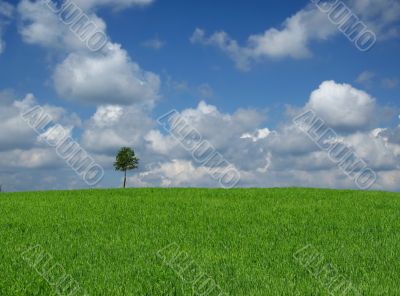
(243, 239)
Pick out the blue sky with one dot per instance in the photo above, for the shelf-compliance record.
(277, 80)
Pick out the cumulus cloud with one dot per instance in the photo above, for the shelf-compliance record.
(113, 126)
(108, 76)
(15, 132)
(34, 158)
(342, 106)
(371, 146)
(294, 37)
(281, 157)
(176, 173)
(258, 135)
(41, 26)
(207, 119)
(264, 156)
(27, 162)
(393, 136)
(20, 145)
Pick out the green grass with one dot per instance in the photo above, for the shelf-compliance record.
(244, 239)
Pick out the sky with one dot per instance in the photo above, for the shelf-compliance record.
(237, 73)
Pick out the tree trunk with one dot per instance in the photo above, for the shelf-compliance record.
(125, 180)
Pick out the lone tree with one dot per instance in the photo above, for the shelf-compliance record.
(125, 161)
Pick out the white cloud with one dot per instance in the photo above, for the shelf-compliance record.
(292, 40)
(112, 127)
(294, 37)
(14, 132)
(41, 26)
(282, 157)
(34, 158)
(342, 106)
(258, 135)
(161, 144)
(224, 42)
(264, 157)
(380, 155)
(107, 115)
(381, 16)
(222, 130)
(391, 135)
(176, 173)
(110, 77)
(21, 147)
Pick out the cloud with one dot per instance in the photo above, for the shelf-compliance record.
(296, 34)
(113, 126)
(6, 14)
(6, 9)
(390, 83)
(265, 157)
(21, 147)
(154, 43)
(34, 158)
(381, 16)
(290, 41)
(366, 78)
(343, 107)
(281, 157)
(380, 156)
(391, 136)
(222, 131)
(202, 91)
(224, 42)
(176, 173)
(27, 162)
(41, 26)
(109, 77)
(116, 4)
(15, 132)
(205, 91)
(258, 135)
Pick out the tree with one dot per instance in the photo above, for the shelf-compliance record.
(125, 161)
